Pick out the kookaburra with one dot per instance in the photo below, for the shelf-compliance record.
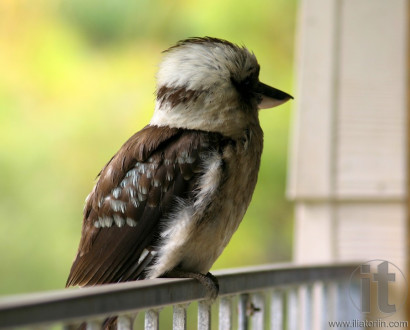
(170, 199)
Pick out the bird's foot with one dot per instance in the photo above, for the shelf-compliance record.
(209, 281)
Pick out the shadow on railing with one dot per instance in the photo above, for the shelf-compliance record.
(268, 296)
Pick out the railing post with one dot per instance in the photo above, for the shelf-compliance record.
(179, 317)
(126, 322)
(276, 310)
(225, 313)
(292, 309)
(305, 307)
(258, 311)
(204, 315)
(343, 303)
(152, 319)
(317, 306)
(242, 311)
(94, 325)
(330, 299)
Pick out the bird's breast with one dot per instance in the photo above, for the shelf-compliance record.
(200, 230)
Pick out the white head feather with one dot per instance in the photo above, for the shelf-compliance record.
(197, 87)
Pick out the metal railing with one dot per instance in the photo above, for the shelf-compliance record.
(263, 297)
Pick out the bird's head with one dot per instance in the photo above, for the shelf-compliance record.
(213, 85)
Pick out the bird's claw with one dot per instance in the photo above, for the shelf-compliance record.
(209, 281)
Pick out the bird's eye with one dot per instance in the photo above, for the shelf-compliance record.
(247, 82)
(245, 86)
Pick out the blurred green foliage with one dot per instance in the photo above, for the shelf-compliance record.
(77, 78)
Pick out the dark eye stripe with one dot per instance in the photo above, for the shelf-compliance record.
(245, 87)
(247, 82)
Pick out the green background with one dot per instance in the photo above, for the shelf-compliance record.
(77, 78)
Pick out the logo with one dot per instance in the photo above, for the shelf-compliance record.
(378, 288)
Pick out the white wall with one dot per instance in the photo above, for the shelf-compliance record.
(348, 161)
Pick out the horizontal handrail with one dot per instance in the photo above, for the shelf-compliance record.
(112, 299)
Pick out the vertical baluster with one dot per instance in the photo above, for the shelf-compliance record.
(179, 317)
(292, 309)
(242, 311)
(258, 311)
(343, 302)
(204, 315)
(309, 306)
(331, 302)
(305, 307)
(94, 325)
(354, 293)
(225, 313)
(317, 306)
(75, 326)
(152, 319)
(325, 305)
(126, 322)
(276, 310)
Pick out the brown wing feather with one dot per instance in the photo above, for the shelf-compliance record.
(135, 190)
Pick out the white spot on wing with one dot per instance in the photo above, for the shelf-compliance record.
(106, 222)
(135, 180)
(100, 202)
(153, 166)
(142, 197)
(116, 192)
(169, 176)
(131, 192)
(119, 221)
(142, 168)
(142, 190)
(131, 222)
(118, 206)
(135, 202)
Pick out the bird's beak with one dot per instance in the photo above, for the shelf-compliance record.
(271, 97)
